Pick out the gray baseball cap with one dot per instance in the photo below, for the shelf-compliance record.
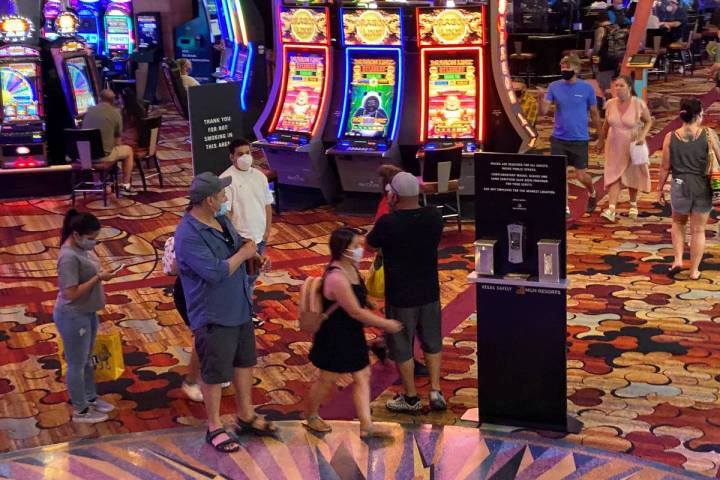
(206, 184)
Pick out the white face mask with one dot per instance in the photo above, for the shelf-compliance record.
(669, 8)
(244, 161)
(356, 254)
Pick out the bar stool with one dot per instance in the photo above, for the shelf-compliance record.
(660, 67)
(680, 53)
(523, 63)
(441, 169)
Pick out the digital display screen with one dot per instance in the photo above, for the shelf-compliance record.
(117, 33)
(81, 84)
(19, 92)
(148, 32)
(371, 97)
(304, 90)
(452, 97)
(212, 10)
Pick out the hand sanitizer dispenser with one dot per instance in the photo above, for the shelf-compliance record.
(549, 260)
(485, 256)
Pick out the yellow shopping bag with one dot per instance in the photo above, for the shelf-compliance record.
(107, 357)
(375, 282)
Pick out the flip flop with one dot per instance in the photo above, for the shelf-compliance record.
(269, 430)
(221, 447)
(672, 271)
(317, 424)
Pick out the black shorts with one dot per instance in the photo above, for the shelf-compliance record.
(576, 151)
(222, 349)
(179, 298)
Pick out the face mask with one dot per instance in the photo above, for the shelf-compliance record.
(669, 8)
(356, 254)
(85, 243)
(244, 161)
(567, 74)
(223, 210)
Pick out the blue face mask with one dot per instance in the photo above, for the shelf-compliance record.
(223, 210)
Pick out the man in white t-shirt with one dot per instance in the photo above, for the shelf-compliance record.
(250, 201)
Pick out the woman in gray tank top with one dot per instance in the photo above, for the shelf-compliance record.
(685, 155)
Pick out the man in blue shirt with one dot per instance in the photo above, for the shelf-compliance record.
(210, 257)
(573, 99)
(618, 15)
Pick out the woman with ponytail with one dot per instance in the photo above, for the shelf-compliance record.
(79, 298)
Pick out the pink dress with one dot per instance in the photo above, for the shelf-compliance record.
(622, 131)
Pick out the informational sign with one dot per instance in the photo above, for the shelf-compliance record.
(303, 92)
(214, 122)
(304, 25)
(372, 92)
(450, 26)
(452, 97)
(372, 27)
(527, 195)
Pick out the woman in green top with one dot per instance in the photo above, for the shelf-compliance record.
(80, 296)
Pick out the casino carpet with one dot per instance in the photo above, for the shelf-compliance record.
(643, 364)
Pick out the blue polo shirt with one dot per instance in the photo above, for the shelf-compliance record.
(572, 101)
(212, 294)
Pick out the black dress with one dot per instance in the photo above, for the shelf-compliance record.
(340, 344)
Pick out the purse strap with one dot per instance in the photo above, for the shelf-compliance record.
(711, 157)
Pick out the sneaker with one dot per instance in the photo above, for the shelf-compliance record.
(633, 213)
(90, 415)
(101, 405)
(129, 190)
(437, 401)
(608, 214)
(592, 203)
(225, 384)
(403, 403)
(257, 321)
(193, 392)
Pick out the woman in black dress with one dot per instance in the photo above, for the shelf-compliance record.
(339, 345)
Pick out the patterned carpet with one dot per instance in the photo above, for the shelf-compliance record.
(644, 361)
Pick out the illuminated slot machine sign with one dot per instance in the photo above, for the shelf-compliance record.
(501, 72)
(81, 84)
(20, 92)
(118, 32)
(66, 24)
(371, 96)
(305, 35)
(88, 27)
(451, 58)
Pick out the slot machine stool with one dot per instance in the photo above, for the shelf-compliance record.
(522, 63)
(441, 176)
(146, 149)
(84, 147)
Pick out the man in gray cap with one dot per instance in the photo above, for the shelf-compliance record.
(409, 237)
(210, 258)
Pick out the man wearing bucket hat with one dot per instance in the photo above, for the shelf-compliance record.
(210, 257)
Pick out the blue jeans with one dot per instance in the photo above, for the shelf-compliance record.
(253, 278)
(78, 332)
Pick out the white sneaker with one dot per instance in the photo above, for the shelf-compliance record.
(608, 214)
(102, 406)
(90, 416)
(225, 384)
(193, 392)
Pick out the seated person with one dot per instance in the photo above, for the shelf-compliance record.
(185, 67)
(674, 18)
(106, 117)
(618, 14)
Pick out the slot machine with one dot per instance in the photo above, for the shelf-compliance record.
(452, 83)
(119, 41)
(22, 127)
(242, 59)
(88, 12)
(504, 110)
(290, 128)
(195, 40)
(148, 55)
(373, 63)
(51, 9)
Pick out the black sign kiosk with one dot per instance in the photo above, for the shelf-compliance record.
(521, 284)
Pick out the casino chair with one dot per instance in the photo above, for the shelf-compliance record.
(146, 149)
(680, 53)
(522, 63)
(84, 147)
(441, 176)
(655, 38)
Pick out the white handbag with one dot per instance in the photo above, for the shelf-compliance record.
(639, 154)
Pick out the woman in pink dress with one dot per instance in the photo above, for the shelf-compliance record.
(627, 120)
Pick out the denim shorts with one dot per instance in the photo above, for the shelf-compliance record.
(689, 195)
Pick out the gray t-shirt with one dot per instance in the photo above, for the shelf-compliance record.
(74, 267)
(108, 120)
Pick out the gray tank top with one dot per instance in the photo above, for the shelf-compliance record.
(689, 158)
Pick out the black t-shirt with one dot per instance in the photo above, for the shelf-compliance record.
(409, 241)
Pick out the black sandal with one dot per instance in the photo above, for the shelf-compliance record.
(672, 271)
(269, 430)
(221, 447)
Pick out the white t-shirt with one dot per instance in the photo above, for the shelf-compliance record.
(188, 81)
(249, 195)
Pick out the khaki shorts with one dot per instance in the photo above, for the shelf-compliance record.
(118, 154)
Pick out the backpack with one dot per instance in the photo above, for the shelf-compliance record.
(616, 39)
(311, 305)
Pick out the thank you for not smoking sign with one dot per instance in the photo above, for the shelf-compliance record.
(215, 119)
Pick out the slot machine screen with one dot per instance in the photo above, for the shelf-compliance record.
(88, 28)
(304, 90)
(148, 32)
(214, 20)
(452, 97)
(371, 97)
(117, 32)
(19, 92)
(81, 84)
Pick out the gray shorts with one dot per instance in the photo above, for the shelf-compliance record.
(222, 349)
(686, 200)
(425, 319)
